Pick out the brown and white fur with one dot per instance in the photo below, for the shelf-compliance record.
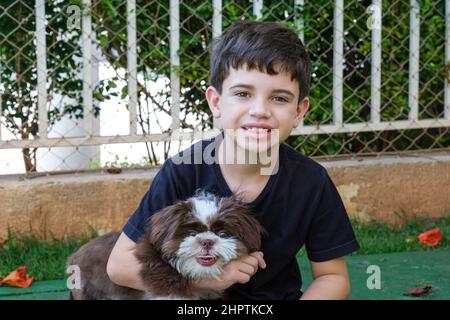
(187, 241)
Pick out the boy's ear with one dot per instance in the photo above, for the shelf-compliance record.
(302, 108)
(213, 98)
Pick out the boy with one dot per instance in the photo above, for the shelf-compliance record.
(260, 75)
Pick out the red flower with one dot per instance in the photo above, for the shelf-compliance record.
(430, 238)
(18, 278)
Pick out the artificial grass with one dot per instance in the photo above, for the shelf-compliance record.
(46, 260)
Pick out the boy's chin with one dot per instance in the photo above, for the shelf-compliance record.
(257, 145)
(257, 152)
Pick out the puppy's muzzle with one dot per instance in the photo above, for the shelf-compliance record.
(206, 258)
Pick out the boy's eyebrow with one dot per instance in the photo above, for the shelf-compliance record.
(248, 86)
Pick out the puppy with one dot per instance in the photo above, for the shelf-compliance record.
(187, 241)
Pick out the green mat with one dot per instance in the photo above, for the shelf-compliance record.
(399, 272)
(39, 290)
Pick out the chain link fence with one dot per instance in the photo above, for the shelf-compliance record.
(91, 83)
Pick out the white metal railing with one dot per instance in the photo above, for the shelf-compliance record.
(338, 125)
(338, 62)
(375, 85)
(41, 67)
(132, 65)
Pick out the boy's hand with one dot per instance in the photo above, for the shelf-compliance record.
(236, 271)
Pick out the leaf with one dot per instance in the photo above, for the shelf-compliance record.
(17, 278)
(112, 84)
(114, 170)
(417, 292)
(430, 238)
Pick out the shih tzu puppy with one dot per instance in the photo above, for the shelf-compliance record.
(184, 242)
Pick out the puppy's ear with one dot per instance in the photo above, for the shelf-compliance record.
(164, 223)
(245, 226)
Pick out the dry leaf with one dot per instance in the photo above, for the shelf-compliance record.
(17, 278)
(417, 292)
(114, 170)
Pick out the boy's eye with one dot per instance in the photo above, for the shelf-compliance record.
(242, 94)
(280, 99)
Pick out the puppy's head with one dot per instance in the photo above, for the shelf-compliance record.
(200, 235)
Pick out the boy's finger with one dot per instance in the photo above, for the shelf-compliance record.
(250, 262)
(259, 256)
(247, 268)
(243, 278)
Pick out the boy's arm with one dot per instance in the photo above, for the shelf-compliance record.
(331, 281)
(123, 267)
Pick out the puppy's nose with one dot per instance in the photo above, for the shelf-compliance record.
(207, 243)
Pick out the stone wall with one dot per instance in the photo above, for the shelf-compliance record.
(387, 189)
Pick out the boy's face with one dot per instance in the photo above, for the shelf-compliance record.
(251, 98)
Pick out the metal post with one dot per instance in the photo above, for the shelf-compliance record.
(217, 31)
(175, 62)
(375, 87)
(414, 49)
(87, 66)
(132, 64)
(338, 61)
(299, 21)
(41, 47)
(447, 61)
(257, 8)
(217, 18)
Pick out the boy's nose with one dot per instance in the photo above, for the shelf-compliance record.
(259, 110)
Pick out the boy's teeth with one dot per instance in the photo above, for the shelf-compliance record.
(258, 129)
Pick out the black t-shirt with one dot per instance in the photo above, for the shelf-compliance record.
(298, 206)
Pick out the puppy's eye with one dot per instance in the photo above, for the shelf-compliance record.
(192, 234)
(223, 234)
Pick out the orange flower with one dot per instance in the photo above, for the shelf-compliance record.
(430, 238)
(18, 278)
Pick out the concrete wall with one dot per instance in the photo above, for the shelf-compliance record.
(388, 189)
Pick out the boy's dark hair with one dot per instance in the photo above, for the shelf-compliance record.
(260, 45)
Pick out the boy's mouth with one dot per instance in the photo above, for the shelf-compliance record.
(255, 129)
(257, 132)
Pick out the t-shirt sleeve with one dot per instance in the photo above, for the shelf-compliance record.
(331, 234)
(162, 192)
